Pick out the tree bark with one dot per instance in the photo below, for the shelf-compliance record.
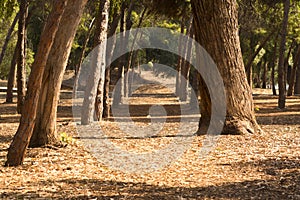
(273, 61)
(216, 29)
(281, 63)
(16, 151)
(93, 97)
(297, 84)
(45, 127)
(109, 54)
(293, 73)
(21, 61)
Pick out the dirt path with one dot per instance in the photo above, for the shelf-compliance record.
(261, 166)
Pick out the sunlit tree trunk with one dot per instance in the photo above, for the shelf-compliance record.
(92, 106)
(45, 127)
(216, 29)
(16, 151)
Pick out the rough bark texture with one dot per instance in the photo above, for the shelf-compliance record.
(16, 151)
(21, 58)
(216, 29)
(281, 63)
(45, 127)
(93, 97)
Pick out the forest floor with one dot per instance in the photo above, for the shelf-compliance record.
(259, 166)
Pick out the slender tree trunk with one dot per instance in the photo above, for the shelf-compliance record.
(217, 32)
(119, 88)
(21, 76)
(12, 77)
(294, 71)
(297, 84)
(185, 68)
(281, 64)
(8, 36)
(16, 151)
(81, 57)
(264, 75)
(273, 61)
(93, 97)
(45, 127)
(109, 54)
(180, 60)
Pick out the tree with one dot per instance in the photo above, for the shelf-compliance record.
(95, 82)
(281, 63)
(45, 126)
(217, 32)
(16, 151)
(21, 58)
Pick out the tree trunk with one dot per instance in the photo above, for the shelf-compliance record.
(21, 62)
(8, 36)
(264, 75)
(273, 61)
(297, 84)
(185, 67)
(293, 73)
(216, 29)
(16, 151)
(45, 127)
(93, 97)
(12, 77)
(109, 54)
(281, 64)
(119, 87)
(180, 59)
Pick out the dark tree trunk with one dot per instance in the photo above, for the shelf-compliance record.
(21, 61)
(281, 63)
(93, 98)
(297, 84)
(217, 32)
(8, 36)
(180, 59)
(12, 77)
(294, 71)
(273, 61)
(16, 151)
(45, 127)
(264, 75)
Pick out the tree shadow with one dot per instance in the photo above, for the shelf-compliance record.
(284, 183)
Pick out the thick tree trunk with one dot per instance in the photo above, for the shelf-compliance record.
(45, 127)
(16, 151)
(21, 62)
(294, 71)
(216, 29)
(12, 77)
(281, 63)
(8, 36)
(93, 97)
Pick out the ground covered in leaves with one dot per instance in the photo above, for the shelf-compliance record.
(260, 166)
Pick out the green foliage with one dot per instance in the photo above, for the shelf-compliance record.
(65, 138)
